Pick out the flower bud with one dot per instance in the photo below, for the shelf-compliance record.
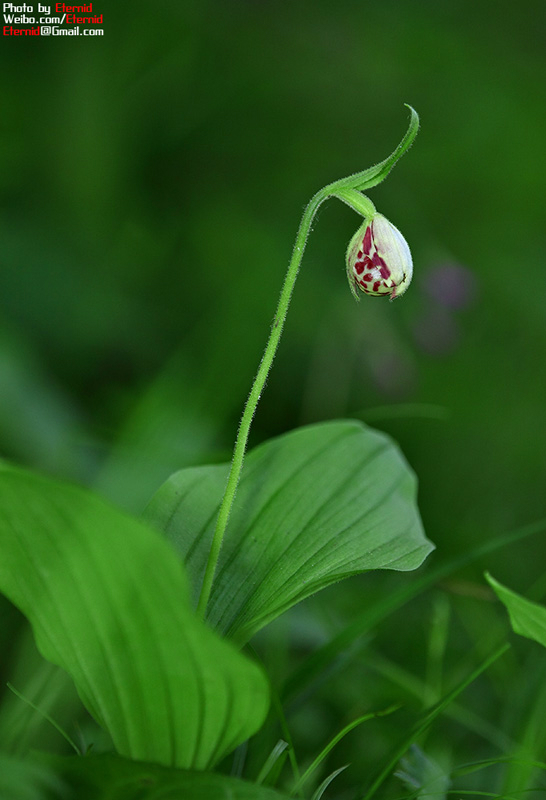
(379, 259)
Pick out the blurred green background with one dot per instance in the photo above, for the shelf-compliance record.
(152, 181)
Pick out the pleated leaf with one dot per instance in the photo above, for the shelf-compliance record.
(108, 601)
(527, 618)
(313, 506)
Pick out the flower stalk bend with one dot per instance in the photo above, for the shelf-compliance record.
(348, 190)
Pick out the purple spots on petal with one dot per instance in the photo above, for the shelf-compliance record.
(378, 261)
(376, 286)
(372, 235)
(360, 254)
(367, 277)
(367, 241)
(359, 267)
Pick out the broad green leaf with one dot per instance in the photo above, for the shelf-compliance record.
(108, 601)
(109, 777)
(527, 618)
(313, 506)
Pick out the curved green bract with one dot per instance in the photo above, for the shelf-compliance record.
(108, 601)
(370, 177)
(313, 506)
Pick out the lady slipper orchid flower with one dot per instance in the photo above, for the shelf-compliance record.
(379, 259)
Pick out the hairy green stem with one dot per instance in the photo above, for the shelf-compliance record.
(255, 393)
